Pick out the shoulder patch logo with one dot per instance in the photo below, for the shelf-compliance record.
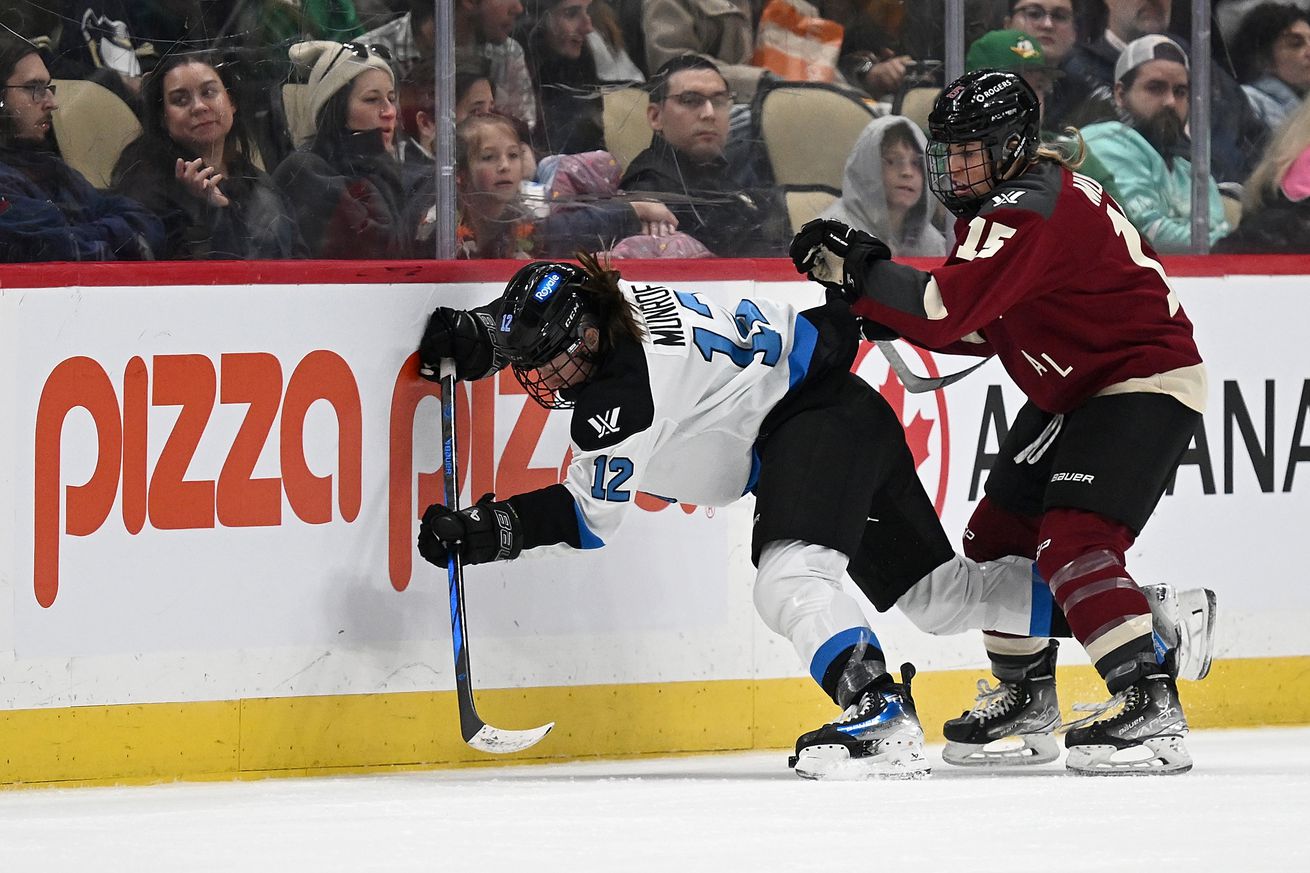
(1007, 198)
(606, 423)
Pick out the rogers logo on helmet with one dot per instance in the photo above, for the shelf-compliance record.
(990, 92)
(547, 287)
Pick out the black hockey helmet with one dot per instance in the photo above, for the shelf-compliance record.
(995, 108)
(543, 314)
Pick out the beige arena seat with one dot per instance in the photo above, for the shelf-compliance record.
(804, 204)
(918, 103)
(808, 129)
(92, 126)
(627, 132)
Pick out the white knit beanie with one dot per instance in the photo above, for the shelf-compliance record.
(332, 68)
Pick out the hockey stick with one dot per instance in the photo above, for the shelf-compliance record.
(913, 382)
(477, 733)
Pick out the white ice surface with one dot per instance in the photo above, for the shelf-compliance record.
(1245, 807)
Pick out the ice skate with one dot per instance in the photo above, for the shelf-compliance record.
(1184, 624)
(1144, 737)
(877, 737)
(1010, 724)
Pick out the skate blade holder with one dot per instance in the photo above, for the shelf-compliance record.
(1165, 756)
(1027, 750)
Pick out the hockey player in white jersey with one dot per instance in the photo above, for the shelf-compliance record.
(682, 398)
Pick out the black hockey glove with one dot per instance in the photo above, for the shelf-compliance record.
(487, 531)
(873, 331)
(822, 246)
(455, 333)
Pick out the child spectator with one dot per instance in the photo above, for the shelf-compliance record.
(883, 191)
(192, 167)
(493, 221)
(48, 210)
(344, 186)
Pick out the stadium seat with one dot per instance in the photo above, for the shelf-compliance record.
(92, 127)
(627, 132)
(917, 103)
(808, 129)
(804, 204)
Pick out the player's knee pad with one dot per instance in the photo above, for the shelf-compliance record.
(794, 579)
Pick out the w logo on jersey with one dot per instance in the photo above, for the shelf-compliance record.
(606, 423)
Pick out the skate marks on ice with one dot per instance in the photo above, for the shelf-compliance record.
(1243, 807)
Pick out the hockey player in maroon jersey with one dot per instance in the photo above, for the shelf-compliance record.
(1048, 274)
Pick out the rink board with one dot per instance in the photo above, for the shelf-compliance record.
(212, 500)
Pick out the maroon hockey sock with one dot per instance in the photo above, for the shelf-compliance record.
(1081, 557)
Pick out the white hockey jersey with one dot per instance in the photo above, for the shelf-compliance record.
(678, 415)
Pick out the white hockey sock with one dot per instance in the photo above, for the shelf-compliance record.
(962, 594)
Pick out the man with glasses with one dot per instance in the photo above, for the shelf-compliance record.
(48, 210)
(1072, 100)
(698, 175)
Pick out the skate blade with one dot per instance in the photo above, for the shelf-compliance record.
(834, 764)
(1027, 750)
(1162, 756)
(898, 755)
(1198, 610)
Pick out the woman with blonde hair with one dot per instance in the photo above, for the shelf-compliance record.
(1276, 199)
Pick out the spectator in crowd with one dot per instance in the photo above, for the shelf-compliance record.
(721, 31)
(873, 57)
(473, 94)
(192, 167)
(610, 47)
(1237, 134)
(1276, 199)
(567, 89)
(883, 192)
(712, 191)
(1271, 52)
(410, 37)
(48, 210)
(1147, 157)
(1072, 100)
(495, 223)
(484, 27)
(344, 185)
(1017, 52)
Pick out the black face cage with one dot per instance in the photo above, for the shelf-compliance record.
(994, 159)
(533, 379)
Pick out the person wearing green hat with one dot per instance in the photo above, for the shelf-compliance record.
(1016, 52)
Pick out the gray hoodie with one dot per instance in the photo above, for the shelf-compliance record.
(863, 202)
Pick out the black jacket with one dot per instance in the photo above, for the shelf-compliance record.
(716, 202)
(255, 224)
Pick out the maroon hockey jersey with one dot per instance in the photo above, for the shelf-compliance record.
(1053, 279)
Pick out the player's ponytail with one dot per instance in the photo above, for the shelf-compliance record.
(1069, 152)
(613, 311)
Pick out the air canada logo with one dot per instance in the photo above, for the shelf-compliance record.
(924, 417)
